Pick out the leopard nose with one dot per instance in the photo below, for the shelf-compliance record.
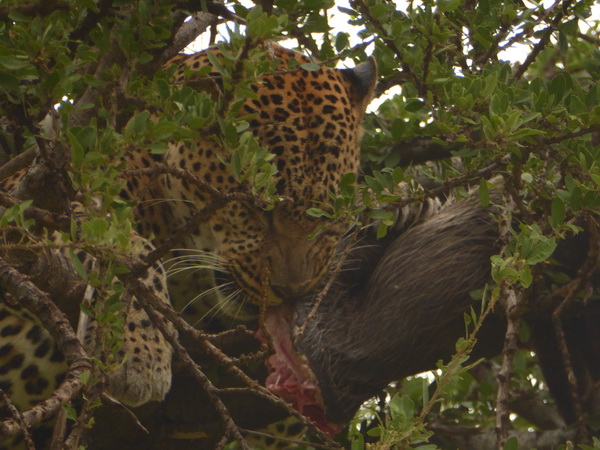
(291, 290)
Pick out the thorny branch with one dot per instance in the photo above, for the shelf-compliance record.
(528, 405)
(152, 305)
(19, 162)
(512, 303)
(143, 295)
(461, 180)
(476, 438)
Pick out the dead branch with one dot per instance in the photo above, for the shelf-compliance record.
(46, 182)
(82, 114)
(188, 32)
(461, 180)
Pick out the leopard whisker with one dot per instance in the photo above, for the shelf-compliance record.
(241, 305)
(157, 201)
(193, 267)
(221, 305)
(196, 262)
(203, 259)
(196, 252)
(207, 292)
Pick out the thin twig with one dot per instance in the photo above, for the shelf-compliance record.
(361, 6)
(461, 180)
(541, 44)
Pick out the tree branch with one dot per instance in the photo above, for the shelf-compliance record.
(54, 320)
(188, 32)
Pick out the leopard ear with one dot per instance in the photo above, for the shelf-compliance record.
(363, 79)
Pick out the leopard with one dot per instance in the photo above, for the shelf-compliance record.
(309, 118)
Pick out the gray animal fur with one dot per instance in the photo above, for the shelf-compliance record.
(397, 308)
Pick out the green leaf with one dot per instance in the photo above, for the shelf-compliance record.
(254, 14)
(524, 132)
(498, 104)
(414, 105)
(318, 213)
(158, 148)
(236, 164)
(136, 124)
(78, 265)
(525, 276)
(511, 443)
(9, 82)
(541, 249)
(379, 214)
(77, 151)
(341, 41)
(484, 193)
(311, 67)
(489, 86)
(382, 230)
(214, 61)
(70, 411)
(557, 87)
(85, 377)
(12, 63)
(448, 5)
(557, 212)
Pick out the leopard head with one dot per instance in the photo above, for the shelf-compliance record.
(310, 121)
